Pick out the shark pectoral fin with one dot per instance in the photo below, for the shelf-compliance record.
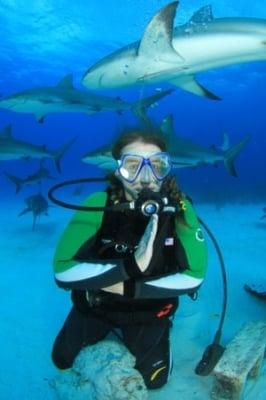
(156, 43)
(191, 85)
(24, 212)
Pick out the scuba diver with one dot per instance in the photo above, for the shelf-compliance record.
(126, 269)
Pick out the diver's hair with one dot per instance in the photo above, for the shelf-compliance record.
(136, 135)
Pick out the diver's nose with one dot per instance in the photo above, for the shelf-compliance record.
(146, 175)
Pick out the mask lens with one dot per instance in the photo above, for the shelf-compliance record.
(130, 166)
(161, 165)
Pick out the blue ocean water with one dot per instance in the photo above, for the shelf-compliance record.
(44, 40)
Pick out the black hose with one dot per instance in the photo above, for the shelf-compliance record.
(214, 351)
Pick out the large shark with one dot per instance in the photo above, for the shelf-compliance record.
(184, 153)
(14, 149)
(64, 97)
(176, 55)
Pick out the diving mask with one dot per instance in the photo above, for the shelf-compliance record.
(131, 165)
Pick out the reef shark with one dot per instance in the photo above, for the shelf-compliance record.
(176, 55)
(184, 153)
(102, 158)
(64, 97)
(187, 153)
(36, 204)
(15, 149)
(38, 176)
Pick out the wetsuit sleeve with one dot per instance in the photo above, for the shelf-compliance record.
(92, 273)
(193, 242)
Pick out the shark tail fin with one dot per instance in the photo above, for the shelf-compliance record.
(232, 153)
(59, 153)
(17, 181)
(140, 106)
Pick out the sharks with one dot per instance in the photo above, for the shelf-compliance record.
(37, 205)
(187, 153)
(15, 149)
(41, 174)
(176, 55)
(102, 158)
(63, 97)
(184, 153)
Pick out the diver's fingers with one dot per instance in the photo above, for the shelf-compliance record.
(150, 232)
(143, 254)
(153, 226)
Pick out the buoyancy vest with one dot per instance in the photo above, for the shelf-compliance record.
(120, 233)
(118, 237)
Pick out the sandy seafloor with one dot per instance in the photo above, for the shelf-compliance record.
(33, 308)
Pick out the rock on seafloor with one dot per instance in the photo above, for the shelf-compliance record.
(104, 371)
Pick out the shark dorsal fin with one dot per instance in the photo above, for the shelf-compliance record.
(202, 16)
(167, 129)
(6, 132)
(225, 142)
(157, 39)
(66, 82)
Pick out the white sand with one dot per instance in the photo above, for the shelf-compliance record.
(33, 308)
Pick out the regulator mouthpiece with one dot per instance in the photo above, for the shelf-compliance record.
(149, 202)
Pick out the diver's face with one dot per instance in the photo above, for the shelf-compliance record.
(145, 179)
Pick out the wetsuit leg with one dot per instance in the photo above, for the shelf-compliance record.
(78, 331)
(150, 345)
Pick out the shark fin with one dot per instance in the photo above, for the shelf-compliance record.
(140, 106)
(202, 15)
(232, 153)
(39, 118)
(225, 142)
(24, 211)
(17, 181)
(191, 85)
(66, 82)
(6, 132)
(156, 43)
(167, 127)
(58, 154)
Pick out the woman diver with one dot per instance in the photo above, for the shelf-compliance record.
(127, 268)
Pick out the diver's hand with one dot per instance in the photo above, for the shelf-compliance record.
(143, 254)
